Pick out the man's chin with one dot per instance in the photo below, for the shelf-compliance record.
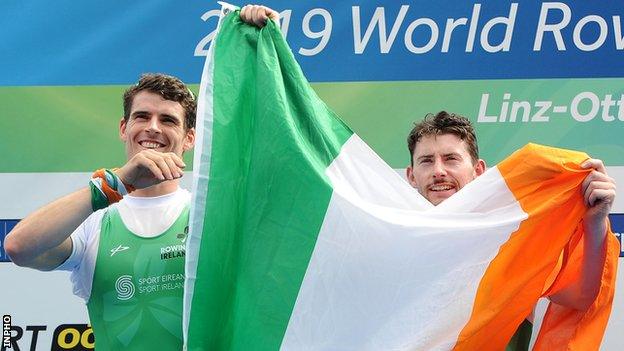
(437, 197)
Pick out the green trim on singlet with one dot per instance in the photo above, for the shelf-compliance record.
(521, 339)
(137, 291)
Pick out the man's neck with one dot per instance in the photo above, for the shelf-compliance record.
(161, 189)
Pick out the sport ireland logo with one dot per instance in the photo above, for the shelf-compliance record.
(124, 287)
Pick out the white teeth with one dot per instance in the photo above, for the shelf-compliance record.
(150, 144)
(441, 187)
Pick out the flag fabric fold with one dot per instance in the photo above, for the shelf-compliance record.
(302, 238)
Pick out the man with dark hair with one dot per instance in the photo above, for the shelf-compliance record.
(126, 257)
(453, 134)
(445, 157)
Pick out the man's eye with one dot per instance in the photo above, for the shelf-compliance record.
(168, 120)
(426, 161)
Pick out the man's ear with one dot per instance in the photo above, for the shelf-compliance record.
(189, 139)
(480, 167)
(122, 129)
(409, 173)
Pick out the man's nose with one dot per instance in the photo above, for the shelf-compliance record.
(153, 125)
(438, 169)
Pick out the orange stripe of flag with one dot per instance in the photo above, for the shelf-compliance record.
(546, 182)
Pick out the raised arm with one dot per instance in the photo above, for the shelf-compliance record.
(598, 193)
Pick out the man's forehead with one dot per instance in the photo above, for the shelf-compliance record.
(440, 144)
(146, 101)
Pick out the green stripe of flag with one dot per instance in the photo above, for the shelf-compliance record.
(272, 140)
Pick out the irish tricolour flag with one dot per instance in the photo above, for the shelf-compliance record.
(304, 239)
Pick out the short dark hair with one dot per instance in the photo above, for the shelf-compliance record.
(444, 123)
(170, 88)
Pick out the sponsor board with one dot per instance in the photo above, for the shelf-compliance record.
(617, 225)
(333, 41)
(5, 227)
(76, 337)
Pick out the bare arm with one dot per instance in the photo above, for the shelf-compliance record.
(41, 240)
(598, 193)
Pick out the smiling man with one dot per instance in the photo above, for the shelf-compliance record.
(126, 257)
(445, 157)
(445, 161)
